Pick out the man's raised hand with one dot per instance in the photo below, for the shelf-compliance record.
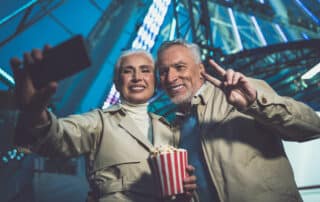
(239, 92)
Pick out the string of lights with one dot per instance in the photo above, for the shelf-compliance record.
(11, 155)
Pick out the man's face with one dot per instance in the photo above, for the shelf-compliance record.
(180, 76)
(137, 79)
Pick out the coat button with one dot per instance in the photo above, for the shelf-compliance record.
(264, 100)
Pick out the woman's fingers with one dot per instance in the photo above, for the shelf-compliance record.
(36, 55)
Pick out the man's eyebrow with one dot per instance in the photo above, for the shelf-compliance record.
(179, 62)
(172, 64)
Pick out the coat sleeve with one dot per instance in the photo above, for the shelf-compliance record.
(294, 120)
(64, 137)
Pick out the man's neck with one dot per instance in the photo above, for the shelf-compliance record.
(184, 108)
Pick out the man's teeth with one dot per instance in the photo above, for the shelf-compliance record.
(176, 87)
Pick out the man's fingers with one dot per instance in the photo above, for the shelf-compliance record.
(236, 78)
(217, 68)
(212, 80)
(228, 77)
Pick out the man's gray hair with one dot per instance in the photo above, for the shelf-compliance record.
(194, 48)
(126, 53)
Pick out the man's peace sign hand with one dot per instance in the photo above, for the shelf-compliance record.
(239, 92)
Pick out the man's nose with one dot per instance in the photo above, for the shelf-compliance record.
(172, 75)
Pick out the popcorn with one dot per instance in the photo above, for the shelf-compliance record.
(164, 149)
(170, 164)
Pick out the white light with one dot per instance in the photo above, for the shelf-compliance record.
(167, 2)
(16, 12)
(312, 72)
(172, 29)
(152, 43)
(235, 28)
(147, 20)
(314, 18)
(260, 35)
(283, 36)
(161, 7)
(152, 10)
(135, 43)
(6, 76)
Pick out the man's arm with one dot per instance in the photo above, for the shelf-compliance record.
(294, 120)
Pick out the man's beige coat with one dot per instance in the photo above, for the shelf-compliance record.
(244, 151)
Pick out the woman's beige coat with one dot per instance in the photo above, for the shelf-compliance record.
(117, 152)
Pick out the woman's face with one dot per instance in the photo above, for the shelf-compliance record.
(136, 78)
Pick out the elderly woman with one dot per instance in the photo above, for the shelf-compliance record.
(116, 141)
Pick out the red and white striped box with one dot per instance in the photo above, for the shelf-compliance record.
(171, 169)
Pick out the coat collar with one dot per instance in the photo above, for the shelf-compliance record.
(210, 101)
(127, 123)
(158, 123)
(203, 95)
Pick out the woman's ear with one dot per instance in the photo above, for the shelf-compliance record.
(202, 71)
(117, 82)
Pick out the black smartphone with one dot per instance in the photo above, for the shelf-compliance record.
(61, 61)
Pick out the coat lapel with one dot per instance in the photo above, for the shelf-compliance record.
(161, 133)
(127, 123)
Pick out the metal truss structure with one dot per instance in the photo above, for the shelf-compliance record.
(251, 37)
(27, 15)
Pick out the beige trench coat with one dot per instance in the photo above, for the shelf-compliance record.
(116, 150)
(244, 151)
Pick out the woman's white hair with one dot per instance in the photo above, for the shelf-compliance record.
(126, 53)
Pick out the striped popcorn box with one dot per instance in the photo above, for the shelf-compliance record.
(170, 166)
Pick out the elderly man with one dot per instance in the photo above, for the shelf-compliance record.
(233, 127)
(117, 141)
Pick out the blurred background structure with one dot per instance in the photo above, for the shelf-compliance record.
(274, 40)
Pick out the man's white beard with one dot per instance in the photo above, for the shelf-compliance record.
(182, 99)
